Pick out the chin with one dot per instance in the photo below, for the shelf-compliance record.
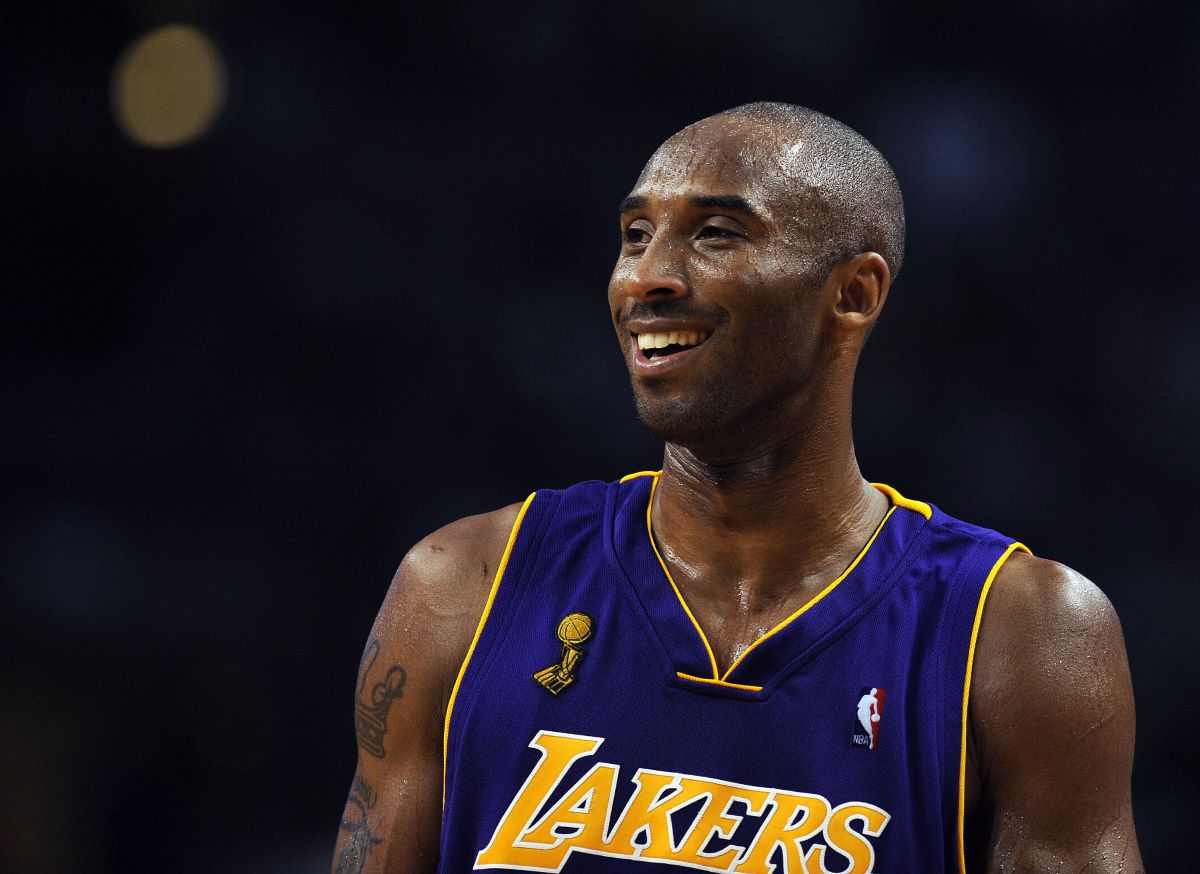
(683, 422)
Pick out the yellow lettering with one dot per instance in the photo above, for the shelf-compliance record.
(559, 752)
(648, 812)
(715, 820)
(846, 842)
(584, 808)
(581, 820)
(794, 818)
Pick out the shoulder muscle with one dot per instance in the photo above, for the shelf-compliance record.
(438, 594)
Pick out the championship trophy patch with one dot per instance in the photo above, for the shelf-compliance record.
(572, 631)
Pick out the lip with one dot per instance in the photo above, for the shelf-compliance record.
(643, 366)
(663, 326)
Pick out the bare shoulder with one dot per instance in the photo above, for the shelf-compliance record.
(1052, 723)
(1038, 600)
(439, 591)
(420, 638)
(1050, 643)
(453, 562)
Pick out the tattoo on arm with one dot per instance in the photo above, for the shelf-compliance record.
(372, 706)
(353, 857)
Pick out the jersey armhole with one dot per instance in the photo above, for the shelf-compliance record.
(487, 610)
(973, 639)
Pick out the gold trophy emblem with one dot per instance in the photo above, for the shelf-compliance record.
(572, 631)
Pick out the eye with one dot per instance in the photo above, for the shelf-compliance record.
(720, 232)
(635, 235)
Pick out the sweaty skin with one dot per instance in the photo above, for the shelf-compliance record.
(760, 504)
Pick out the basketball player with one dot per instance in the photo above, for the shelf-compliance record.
(755, 660)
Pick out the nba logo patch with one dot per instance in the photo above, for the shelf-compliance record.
(868, 720)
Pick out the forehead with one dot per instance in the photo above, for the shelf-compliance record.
(726, 156)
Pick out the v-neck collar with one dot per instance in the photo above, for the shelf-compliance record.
(767, 661)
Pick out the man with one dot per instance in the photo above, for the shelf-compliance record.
(754, 661)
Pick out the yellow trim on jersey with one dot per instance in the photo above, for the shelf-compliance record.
(487, 609)
(819, 596)
(907, 503)
(716, 675)
(630, 476)
(962, 761)
(712, 682)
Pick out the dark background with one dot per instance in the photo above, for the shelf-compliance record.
(242, 376)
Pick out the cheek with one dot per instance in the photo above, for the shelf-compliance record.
(616, 281)
(785, 328)
(617, 300)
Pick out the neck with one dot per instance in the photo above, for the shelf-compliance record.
(769, 521)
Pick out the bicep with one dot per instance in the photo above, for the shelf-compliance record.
(392, 815)
(1052, 711)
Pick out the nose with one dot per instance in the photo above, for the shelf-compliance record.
(656, 274)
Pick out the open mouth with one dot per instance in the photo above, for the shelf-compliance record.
(668, 343)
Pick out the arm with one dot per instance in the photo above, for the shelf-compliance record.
(392, 820)
(1052, 724)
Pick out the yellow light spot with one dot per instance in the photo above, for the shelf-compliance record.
(168, 87)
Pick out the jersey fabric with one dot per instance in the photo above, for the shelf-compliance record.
(590, 729)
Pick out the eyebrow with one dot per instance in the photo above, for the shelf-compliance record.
(632, 202)
(726, 202)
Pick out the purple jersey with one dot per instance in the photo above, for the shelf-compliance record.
(590, 729)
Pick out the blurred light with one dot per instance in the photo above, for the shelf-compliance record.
(168, 87)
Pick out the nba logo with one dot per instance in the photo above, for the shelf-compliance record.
(869, 718)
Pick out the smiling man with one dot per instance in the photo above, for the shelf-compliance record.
(753, 660)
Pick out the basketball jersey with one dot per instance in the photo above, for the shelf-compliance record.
(590, 729)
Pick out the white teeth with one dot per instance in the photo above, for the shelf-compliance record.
(673, 338)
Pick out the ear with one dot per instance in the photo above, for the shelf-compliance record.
(861, 287)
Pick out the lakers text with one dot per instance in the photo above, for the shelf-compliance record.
(674, 818)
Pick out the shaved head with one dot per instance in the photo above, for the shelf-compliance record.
(841, 191)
